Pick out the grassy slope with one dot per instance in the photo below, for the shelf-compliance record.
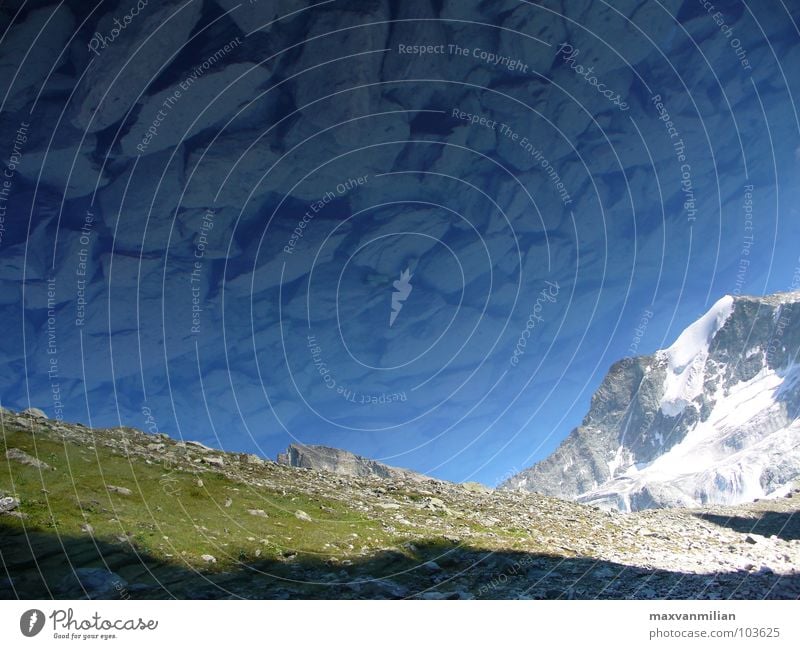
(182, 507)
(175, 514)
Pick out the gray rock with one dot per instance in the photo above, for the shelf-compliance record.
(434, 504)
(390, 588)
(199, 446)
(8, 504)
(15, 455)
(35, 412)
(432, 594)
(302, 516)
(222, 81)
(101, 102)
(334, 460)
(58, 25)
(475, 487)
(214, 460)
(208, 558)
(259, 512)
(122, 491)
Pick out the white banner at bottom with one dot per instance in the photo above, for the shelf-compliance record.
(372, 624)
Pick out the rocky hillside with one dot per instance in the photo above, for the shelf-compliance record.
(712, 419)
(335, 460)
(118, 513)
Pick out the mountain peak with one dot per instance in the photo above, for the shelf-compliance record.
(335, 460)
(687, 357)
(712, 419)
(696, 338)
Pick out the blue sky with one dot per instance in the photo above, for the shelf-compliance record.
(241, 271)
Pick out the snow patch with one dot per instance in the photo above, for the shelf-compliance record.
(781, 492)
(616, 462)
(722, 460)
(753, 351)
(697, 336)
(686, 358)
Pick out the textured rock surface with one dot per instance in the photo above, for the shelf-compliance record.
(122, 72)
(324, 458)
(15, 455)
(8, 504)
(712, 419)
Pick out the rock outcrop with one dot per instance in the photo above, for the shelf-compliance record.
(334, 460)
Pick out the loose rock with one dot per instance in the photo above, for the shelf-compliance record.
(15, 455)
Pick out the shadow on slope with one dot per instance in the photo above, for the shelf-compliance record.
(39, 565)
(784, 525)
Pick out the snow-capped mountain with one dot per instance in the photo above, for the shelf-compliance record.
(711, 419)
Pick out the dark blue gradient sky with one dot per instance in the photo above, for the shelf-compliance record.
(207, 213)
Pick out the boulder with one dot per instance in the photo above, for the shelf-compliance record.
(15, 455)
(35, 412)
(199, 446)
(8, 504)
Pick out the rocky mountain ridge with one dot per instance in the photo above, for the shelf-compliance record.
(336, 460)
(711, 419)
